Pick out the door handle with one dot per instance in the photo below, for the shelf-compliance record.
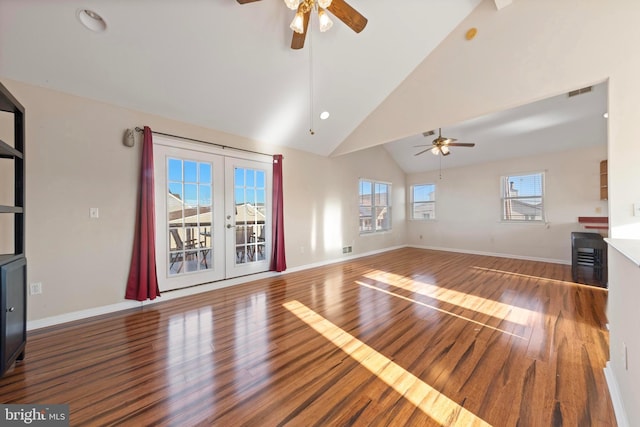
(230, 226)
(11, 309)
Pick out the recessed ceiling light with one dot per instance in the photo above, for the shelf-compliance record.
(91, 20)
(605, 115)
(324, 115)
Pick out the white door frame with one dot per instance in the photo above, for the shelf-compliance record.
(223, 261)
(240, 263)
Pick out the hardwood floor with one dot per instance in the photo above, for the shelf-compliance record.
(408, 337)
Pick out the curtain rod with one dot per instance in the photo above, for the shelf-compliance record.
(205, 142)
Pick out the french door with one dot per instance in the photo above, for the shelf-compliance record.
(213, 214)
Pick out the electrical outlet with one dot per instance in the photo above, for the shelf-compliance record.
(94, 213)
(35, 288)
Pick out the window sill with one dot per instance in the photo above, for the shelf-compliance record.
(375, 233)
(542, 223)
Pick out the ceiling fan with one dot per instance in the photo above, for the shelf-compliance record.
(441, 145)
(339, 8)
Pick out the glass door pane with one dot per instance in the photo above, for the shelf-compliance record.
(189, 213)
(249, 216)
(189, 251)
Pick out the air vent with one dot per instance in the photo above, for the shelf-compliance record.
(580, 91)
(429, 133)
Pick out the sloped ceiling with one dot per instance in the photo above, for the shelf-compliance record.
(229, 67)
(226, 66)
(553, 124)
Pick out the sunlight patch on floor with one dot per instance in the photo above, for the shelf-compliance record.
(430, 401)
(528, 276)
(497, 309)
(438, 309)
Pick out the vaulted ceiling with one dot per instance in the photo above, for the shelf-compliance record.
(227, 66)
(223, 65)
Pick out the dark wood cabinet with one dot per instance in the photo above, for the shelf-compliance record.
(13, 264)
(13, 319)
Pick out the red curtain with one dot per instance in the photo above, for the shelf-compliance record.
(143, 282)
(278, 261)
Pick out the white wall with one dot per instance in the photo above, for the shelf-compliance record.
(468, 206)
(525, 52)
(76, 160)
(624, 323)
(321, 204)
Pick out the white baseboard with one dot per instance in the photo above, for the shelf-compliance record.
(499, 255)
(82, 314)
(343, 258)
(616, 397)
(179, 293)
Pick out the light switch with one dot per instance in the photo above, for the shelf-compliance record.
(93, 213)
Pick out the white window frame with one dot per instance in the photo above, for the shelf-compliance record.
(413, 202)
(377, 225)
(507, 200)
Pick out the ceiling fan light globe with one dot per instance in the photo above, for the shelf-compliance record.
(324, 20)
(292, 4)
(324, 3)
(445, 150)
(435, 151)
(297, 24)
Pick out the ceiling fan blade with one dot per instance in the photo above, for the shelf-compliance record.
(297, 41)
(423, 151)
(461, 144)
(351, 17)
(246, 1)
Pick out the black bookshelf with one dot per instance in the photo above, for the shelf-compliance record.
(13, 265)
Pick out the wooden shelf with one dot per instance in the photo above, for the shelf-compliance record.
(8, 103)
(8, 151)
(594, 222)
(604, 180)
(593, 219)
(7, 258)
(11, 209)
(13, 152)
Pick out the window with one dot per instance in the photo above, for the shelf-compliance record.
(523, 197)
(189, 215)
(375, 206)
(423, 201)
